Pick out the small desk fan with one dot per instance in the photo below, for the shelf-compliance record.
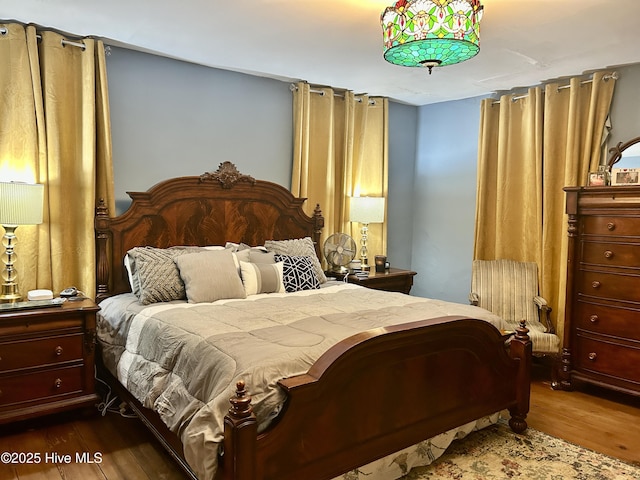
(339, 250)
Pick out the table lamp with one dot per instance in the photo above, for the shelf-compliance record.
(20, 204)
(366, 210)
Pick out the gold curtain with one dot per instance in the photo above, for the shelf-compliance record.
(509, 194)
(530, 147)
(575, 120)
(55, 130)
(340, 151)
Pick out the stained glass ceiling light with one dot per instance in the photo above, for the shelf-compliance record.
(431, 33)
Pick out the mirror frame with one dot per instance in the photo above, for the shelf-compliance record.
(616, 152)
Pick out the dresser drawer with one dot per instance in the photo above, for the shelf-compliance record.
(610, 225)
(612, 320)
(609, 285)
(40, 385)
(607, 358)
(611, 254)
(40, 351)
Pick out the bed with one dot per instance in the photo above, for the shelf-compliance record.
(315, 381)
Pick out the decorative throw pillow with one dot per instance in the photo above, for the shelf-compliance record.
(262, 278)
(257, 256)
(209, 276)
(298, 247)
(298, 273)
(154, 275)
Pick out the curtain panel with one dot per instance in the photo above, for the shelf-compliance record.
(530, 147)
(340, 151)
(55, 130)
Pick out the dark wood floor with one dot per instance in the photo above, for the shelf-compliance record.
(123, 449)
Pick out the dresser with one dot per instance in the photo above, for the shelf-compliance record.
(602, 315)
(47, 360)
(391, 280)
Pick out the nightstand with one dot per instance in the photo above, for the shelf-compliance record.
(393, 280)
(47, 360)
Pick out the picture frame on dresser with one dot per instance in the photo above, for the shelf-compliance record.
(625, 176)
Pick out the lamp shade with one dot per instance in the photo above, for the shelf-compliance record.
(21, 203)
(431, 33)
(367, 209)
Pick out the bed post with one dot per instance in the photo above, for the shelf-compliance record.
(520, 348)
(240, 436)
(101, 224)
(318, 225)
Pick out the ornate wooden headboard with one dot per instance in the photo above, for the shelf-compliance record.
(212, 209)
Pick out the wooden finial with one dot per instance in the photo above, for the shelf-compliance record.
(241, 402)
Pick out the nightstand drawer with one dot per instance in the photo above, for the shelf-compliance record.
(40, 385)
(40, 351)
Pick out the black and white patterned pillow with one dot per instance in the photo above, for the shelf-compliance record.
(298, 247)
(298, 273)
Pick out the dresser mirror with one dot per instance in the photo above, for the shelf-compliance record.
(625, 155)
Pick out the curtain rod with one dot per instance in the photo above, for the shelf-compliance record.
(606, 78)
(4, 31)
(293, 87)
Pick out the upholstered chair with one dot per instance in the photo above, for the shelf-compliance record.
(510, 290)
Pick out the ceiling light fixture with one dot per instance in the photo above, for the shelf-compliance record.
(431, 33)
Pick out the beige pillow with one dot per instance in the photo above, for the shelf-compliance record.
(262, 278)
(210, 276)
(299, 247)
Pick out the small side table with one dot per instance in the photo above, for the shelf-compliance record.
(393, 280)
(47, 359)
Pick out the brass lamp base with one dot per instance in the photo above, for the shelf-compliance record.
(10, 293)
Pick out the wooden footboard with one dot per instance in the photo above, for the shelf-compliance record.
(378, 392)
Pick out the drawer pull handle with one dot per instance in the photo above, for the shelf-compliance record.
(593, 356)
(595, 284)
(611, 226)
(594, 319)
(57, 383)
(0, 393)
(58, 351)
(608, 254)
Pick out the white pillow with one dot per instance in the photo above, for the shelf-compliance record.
(262, 278)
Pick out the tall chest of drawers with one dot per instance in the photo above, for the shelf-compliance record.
(602, 315)
(47, 360)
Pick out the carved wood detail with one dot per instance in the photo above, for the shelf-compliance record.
(228, 175)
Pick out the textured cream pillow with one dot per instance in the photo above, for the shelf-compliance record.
(154, 276)
(210, 276)
(262, 278)
(299, 247)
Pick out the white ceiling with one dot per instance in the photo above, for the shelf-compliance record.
(339, 42)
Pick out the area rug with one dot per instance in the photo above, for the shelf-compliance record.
(497, 453)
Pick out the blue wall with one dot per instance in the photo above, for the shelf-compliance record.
(403, 131)
(171, 118)
(445, 199)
